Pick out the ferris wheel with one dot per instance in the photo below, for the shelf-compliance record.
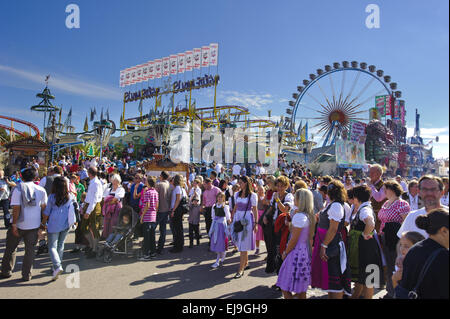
(331, 99)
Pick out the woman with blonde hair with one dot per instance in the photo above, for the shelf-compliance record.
(295, 272)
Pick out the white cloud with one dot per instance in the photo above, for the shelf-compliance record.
(66, 84)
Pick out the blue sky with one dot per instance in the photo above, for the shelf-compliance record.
(266, 49)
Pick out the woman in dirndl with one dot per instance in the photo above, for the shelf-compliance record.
(330, 270)
(244, 211)
(218, 232)
(364, 254)
(113, 197)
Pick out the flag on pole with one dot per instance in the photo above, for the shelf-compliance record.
(303, 134)
(214, 53)
(205, 56)
(86, 126)
(166, 66)
(189, 60)
(127, 77)
(151, 70)
(122, 78)
(101, 116)
(158, 68)
(181, 62)
(133, 75)
(173, 64)
(140, 106)
(197, 58)
(145, 72)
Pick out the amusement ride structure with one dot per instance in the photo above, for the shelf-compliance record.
(331, 101)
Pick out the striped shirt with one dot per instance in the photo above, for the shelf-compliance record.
(394, 213)
(150, 196)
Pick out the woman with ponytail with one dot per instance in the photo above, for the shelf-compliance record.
(426, 265)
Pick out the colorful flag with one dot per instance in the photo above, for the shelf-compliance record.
(86, 126)
(166, 66)
(197, 58)
(388, 105)
(402, 112)
(158, 68)
(189, 60)
(181, 63)
(127, 77)
(133, 75)
(122, 78)
(151, 70)
(145, 72)
(205, 56)
(303, 134)
(139, 73)
(173, 64)
(214, 53)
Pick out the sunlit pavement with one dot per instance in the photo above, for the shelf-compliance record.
(185, 275)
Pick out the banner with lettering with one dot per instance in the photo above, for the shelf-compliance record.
(139, 73)
(151, 70)
(358, 132)
(127, 77)
(158, 68)
(402, 112)
(181, 63)
(122, 78)
(173, 64)
(133, 75)
(205, 56)
(214, 53)
(197, 58)
(166, 66)
(189, 60)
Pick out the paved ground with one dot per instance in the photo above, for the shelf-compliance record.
(186, 275)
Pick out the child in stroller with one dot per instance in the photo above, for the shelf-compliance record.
(120, 241)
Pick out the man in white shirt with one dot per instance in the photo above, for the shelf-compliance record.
(412, 196)
(218, 168)
(430, 190)
(402, 183)
(236, 170)
(28, 202)
(90, 224)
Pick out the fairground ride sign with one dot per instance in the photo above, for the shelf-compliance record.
(177, 87)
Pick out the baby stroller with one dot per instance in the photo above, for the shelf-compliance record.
(120, 241)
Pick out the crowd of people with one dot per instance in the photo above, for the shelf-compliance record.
(322, 232)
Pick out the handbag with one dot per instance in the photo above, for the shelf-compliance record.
(403, 293)
(237, 226)
(268, 212)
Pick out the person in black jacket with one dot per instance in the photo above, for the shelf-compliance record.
(435, 284)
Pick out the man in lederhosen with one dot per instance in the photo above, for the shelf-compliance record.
(92, 212)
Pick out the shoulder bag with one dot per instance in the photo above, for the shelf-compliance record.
(237, 226)
(403, 293)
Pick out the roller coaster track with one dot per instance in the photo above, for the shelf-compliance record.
(31, 125)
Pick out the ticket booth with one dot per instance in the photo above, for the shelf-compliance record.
(24, 150)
